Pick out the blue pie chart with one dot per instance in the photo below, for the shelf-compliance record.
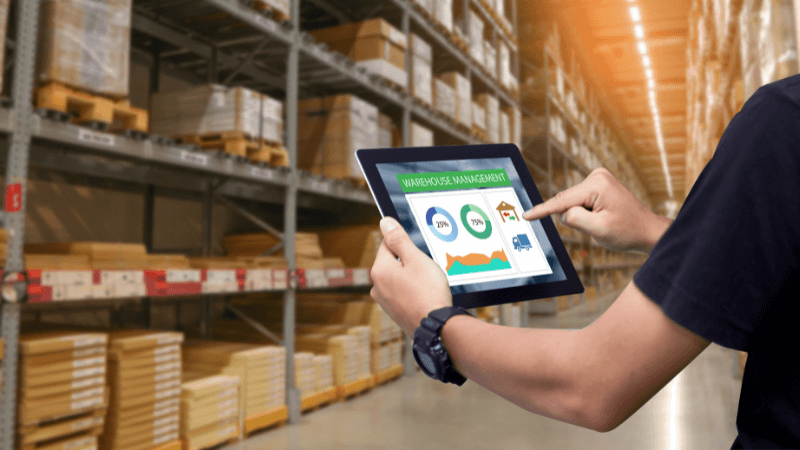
(448, 225)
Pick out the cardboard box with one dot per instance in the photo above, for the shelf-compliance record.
(331, 130)
(476, 26)
(490, 59)
(387, 356)
(463, 97)
(444, 98)
(85, 44)
(505, 128)
(443, 13)
(59, 341)
(478, 116)
(373, 44)
(31, 435)
(324, 372)
(214, 109)
(421, 136)
(421, 70)
(492, 107)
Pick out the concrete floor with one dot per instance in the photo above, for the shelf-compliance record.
(696, 410)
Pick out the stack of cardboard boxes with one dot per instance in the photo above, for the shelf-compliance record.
(476, 26)
(62, 389)
(462, 88)
(421, 70)
(492, 107)
(444, 97)
(145, 379)
(305, 373)
(373, 44)
(324, 372)
(209, 410)
(331, 130)
(261, 371)
(387, 356)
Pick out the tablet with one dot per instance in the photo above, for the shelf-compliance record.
(462, 206)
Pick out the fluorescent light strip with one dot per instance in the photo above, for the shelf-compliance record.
(641, 45)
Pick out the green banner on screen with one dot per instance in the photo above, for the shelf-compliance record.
(451, 181)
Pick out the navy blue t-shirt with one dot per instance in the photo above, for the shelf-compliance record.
(727, 268)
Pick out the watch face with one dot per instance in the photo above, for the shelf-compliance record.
(425, 363)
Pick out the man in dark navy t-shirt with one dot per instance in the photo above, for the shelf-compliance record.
(727, 271)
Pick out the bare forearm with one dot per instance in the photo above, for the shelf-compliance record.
(656, 231)
(531, 368)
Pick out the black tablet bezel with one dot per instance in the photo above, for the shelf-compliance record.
(370, 158)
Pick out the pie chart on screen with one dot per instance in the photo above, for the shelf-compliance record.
(441, 224)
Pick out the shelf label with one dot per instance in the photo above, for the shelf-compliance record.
(95, 137)
(261, 173)
(194, 158)
(14, 197)
(320, 186)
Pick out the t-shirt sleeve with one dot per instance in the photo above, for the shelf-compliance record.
(733, 246)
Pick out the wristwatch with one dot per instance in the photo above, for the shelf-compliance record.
(429, 352)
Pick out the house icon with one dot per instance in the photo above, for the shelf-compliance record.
(507, 212)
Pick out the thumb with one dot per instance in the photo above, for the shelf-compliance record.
(398, 240)
(581, 219)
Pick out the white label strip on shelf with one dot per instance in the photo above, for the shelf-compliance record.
(96, 137)
(102, 291)
(123, 290)
(121, 276)
(194, 158)
(264, 174)
(335, 273)
(361, 277)
(220, 276)
(183, 276)
(67, 277)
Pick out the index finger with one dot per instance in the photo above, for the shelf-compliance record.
(581, 195)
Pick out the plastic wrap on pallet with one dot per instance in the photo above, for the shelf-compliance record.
(777, 41)
(210, 109)
(490, 58)
(421, 136)
(331, 130)
(443, 12)
(85, 44)
(492, 106)
(478, 116)
(422, 70)
(463, 96)
(476, 26)
(444, 98)
(505, 128)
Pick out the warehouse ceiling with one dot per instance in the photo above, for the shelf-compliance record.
(605, 33)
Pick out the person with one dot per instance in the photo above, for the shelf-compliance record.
(725, 271)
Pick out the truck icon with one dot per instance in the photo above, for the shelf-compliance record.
(521, 241)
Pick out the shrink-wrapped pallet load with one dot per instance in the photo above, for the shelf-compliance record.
(323, 365)
(213, 109)
(85, 44)
(463, 96)
(209, 410)
(374, 44)
(331, 129)
(145, 380)
(476, 26)
(421, 70)
(478, 116)
(490, 59)
(443, 13)
(492, 107)
(305, 373)
(382, 328)
(444, 98)
(63, 393)
(387, 356)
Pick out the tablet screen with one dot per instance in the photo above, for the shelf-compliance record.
(467, 216)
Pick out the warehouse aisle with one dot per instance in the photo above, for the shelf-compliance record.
(696, 410)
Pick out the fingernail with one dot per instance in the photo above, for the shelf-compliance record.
(388, 224)
(563, 217)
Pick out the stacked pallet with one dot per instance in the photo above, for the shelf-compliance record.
(323, 365)
(444, 98)
(373, 44)
(261, 371)
(491, 105)
(308, 252)
(305, 373)
(421, 70)
(237, 121)
(382, 328)
(387, 356)
(98, 256)
(476, 27)
(385, 131)
(63, 395)
(462, 97)
(145, 379)
(331, 130)
(421, 136)
(209, 410)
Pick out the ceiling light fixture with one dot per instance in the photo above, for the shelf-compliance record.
(649, 73)
(638, 30)
(646, 61)
(642, 47)
(636, 15)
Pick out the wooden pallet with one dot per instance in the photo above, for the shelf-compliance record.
(239, 144)
(174, 445)
(385, 376)
(86, 108)
(315, 401)
(277, 417)
(355, 388)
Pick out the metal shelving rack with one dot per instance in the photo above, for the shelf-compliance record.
(250, 49)
(544, 150)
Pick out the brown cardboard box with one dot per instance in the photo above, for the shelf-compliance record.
(357, 245)
(69, 30)
(83, 441)
(57, 410)
(34, 434)
(58, 341)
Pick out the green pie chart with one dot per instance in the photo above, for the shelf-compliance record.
(470, 224)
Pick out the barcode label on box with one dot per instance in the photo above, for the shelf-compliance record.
(194, 158)
(95, 137)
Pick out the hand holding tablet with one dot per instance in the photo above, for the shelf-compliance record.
(463, 207)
